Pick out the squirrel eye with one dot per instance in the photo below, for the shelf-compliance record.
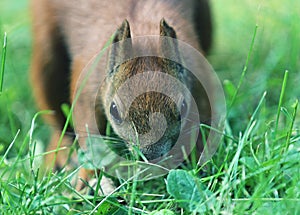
(115, 113)
(183, 110)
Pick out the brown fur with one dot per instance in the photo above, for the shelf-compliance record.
(66, 34)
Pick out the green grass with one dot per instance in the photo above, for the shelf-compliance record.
(3, 62)
(256, 169)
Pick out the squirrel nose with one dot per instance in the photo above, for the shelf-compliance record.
(157, 150)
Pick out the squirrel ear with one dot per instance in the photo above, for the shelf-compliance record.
(166, 30)
(121, 48)
(123, 32)
(168, 42)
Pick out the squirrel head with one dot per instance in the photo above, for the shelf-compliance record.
(137, 99)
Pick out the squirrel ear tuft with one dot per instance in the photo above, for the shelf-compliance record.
(123, 32)
(121, 48)
(166, 30)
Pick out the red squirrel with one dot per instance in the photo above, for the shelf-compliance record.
(67, 34)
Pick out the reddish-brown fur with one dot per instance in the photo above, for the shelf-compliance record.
(66, 34)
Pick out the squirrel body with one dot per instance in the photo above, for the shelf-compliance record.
(67, 34)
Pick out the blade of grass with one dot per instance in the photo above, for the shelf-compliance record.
(66, 111)
(3, 58)
(133, 194)
(244, 69)
(281, 100)
(8, 100)
(291, 126)
(31, 130)
(9, 147)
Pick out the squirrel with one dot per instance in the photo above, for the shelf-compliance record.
(66, 35)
